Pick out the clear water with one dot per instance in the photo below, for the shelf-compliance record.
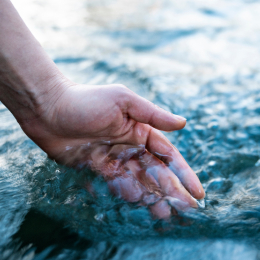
(199, 59)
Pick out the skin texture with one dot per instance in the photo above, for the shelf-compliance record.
(107, 128)
(113, 131)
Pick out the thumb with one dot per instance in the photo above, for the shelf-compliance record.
(146, 112)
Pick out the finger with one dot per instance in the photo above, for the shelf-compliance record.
(167, 207)
(121, 176)
(111, 162)
(148, 181)
(160, 146)
(161, 210)
(144, 111)
(126, 187)
(168, 182)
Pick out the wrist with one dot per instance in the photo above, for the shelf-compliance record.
(29, 99)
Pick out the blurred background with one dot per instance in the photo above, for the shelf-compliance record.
(199, 59)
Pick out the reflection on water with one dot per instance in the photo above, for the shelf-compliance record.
(199, 59)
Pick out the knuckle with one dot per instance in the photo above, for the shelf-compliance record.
(123, 92)
(124, 95)
(121, 86)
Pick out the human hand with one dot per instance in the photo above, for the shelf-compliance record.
(113, 131)
(107, 128)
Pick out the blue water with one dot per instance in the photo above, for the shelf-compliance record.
(199, 59)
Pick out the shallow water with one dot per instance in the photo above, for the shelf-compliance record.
(199, 59)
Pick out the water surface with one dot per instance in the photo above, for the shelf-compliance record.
(199, 59)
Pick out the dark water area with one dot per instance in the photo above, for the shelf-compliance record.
(197, 59)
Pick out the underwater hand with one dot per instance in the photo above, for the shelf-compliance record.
(113, 131)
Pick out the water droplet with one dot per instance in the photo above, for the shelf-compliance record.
(99, 217)
(201, 203)
(257, 163)
(211, 163)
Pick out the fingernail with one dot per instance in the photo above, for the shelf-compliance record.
(180, 118)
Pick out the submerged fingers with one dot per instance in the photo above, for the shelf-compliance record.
(169, 183)
(157, 144)
(136, 175)
(146, 179)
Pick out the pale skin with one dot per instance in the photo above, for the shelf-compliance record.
(108, 128)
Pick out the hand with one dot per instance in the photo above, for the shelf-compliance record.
(108, 128)
(114, 131)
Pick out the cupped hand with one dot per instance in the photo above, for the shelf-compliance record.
(116, 133)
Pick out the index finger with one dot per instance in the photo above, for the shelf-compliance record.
(162, 148)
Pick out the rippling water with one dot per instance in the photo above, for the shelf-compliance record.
(199, 59)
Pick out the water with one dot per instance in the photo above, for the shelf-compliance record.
(199, 59)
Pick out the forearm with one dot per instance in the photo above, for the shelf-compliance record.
(28, 77)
